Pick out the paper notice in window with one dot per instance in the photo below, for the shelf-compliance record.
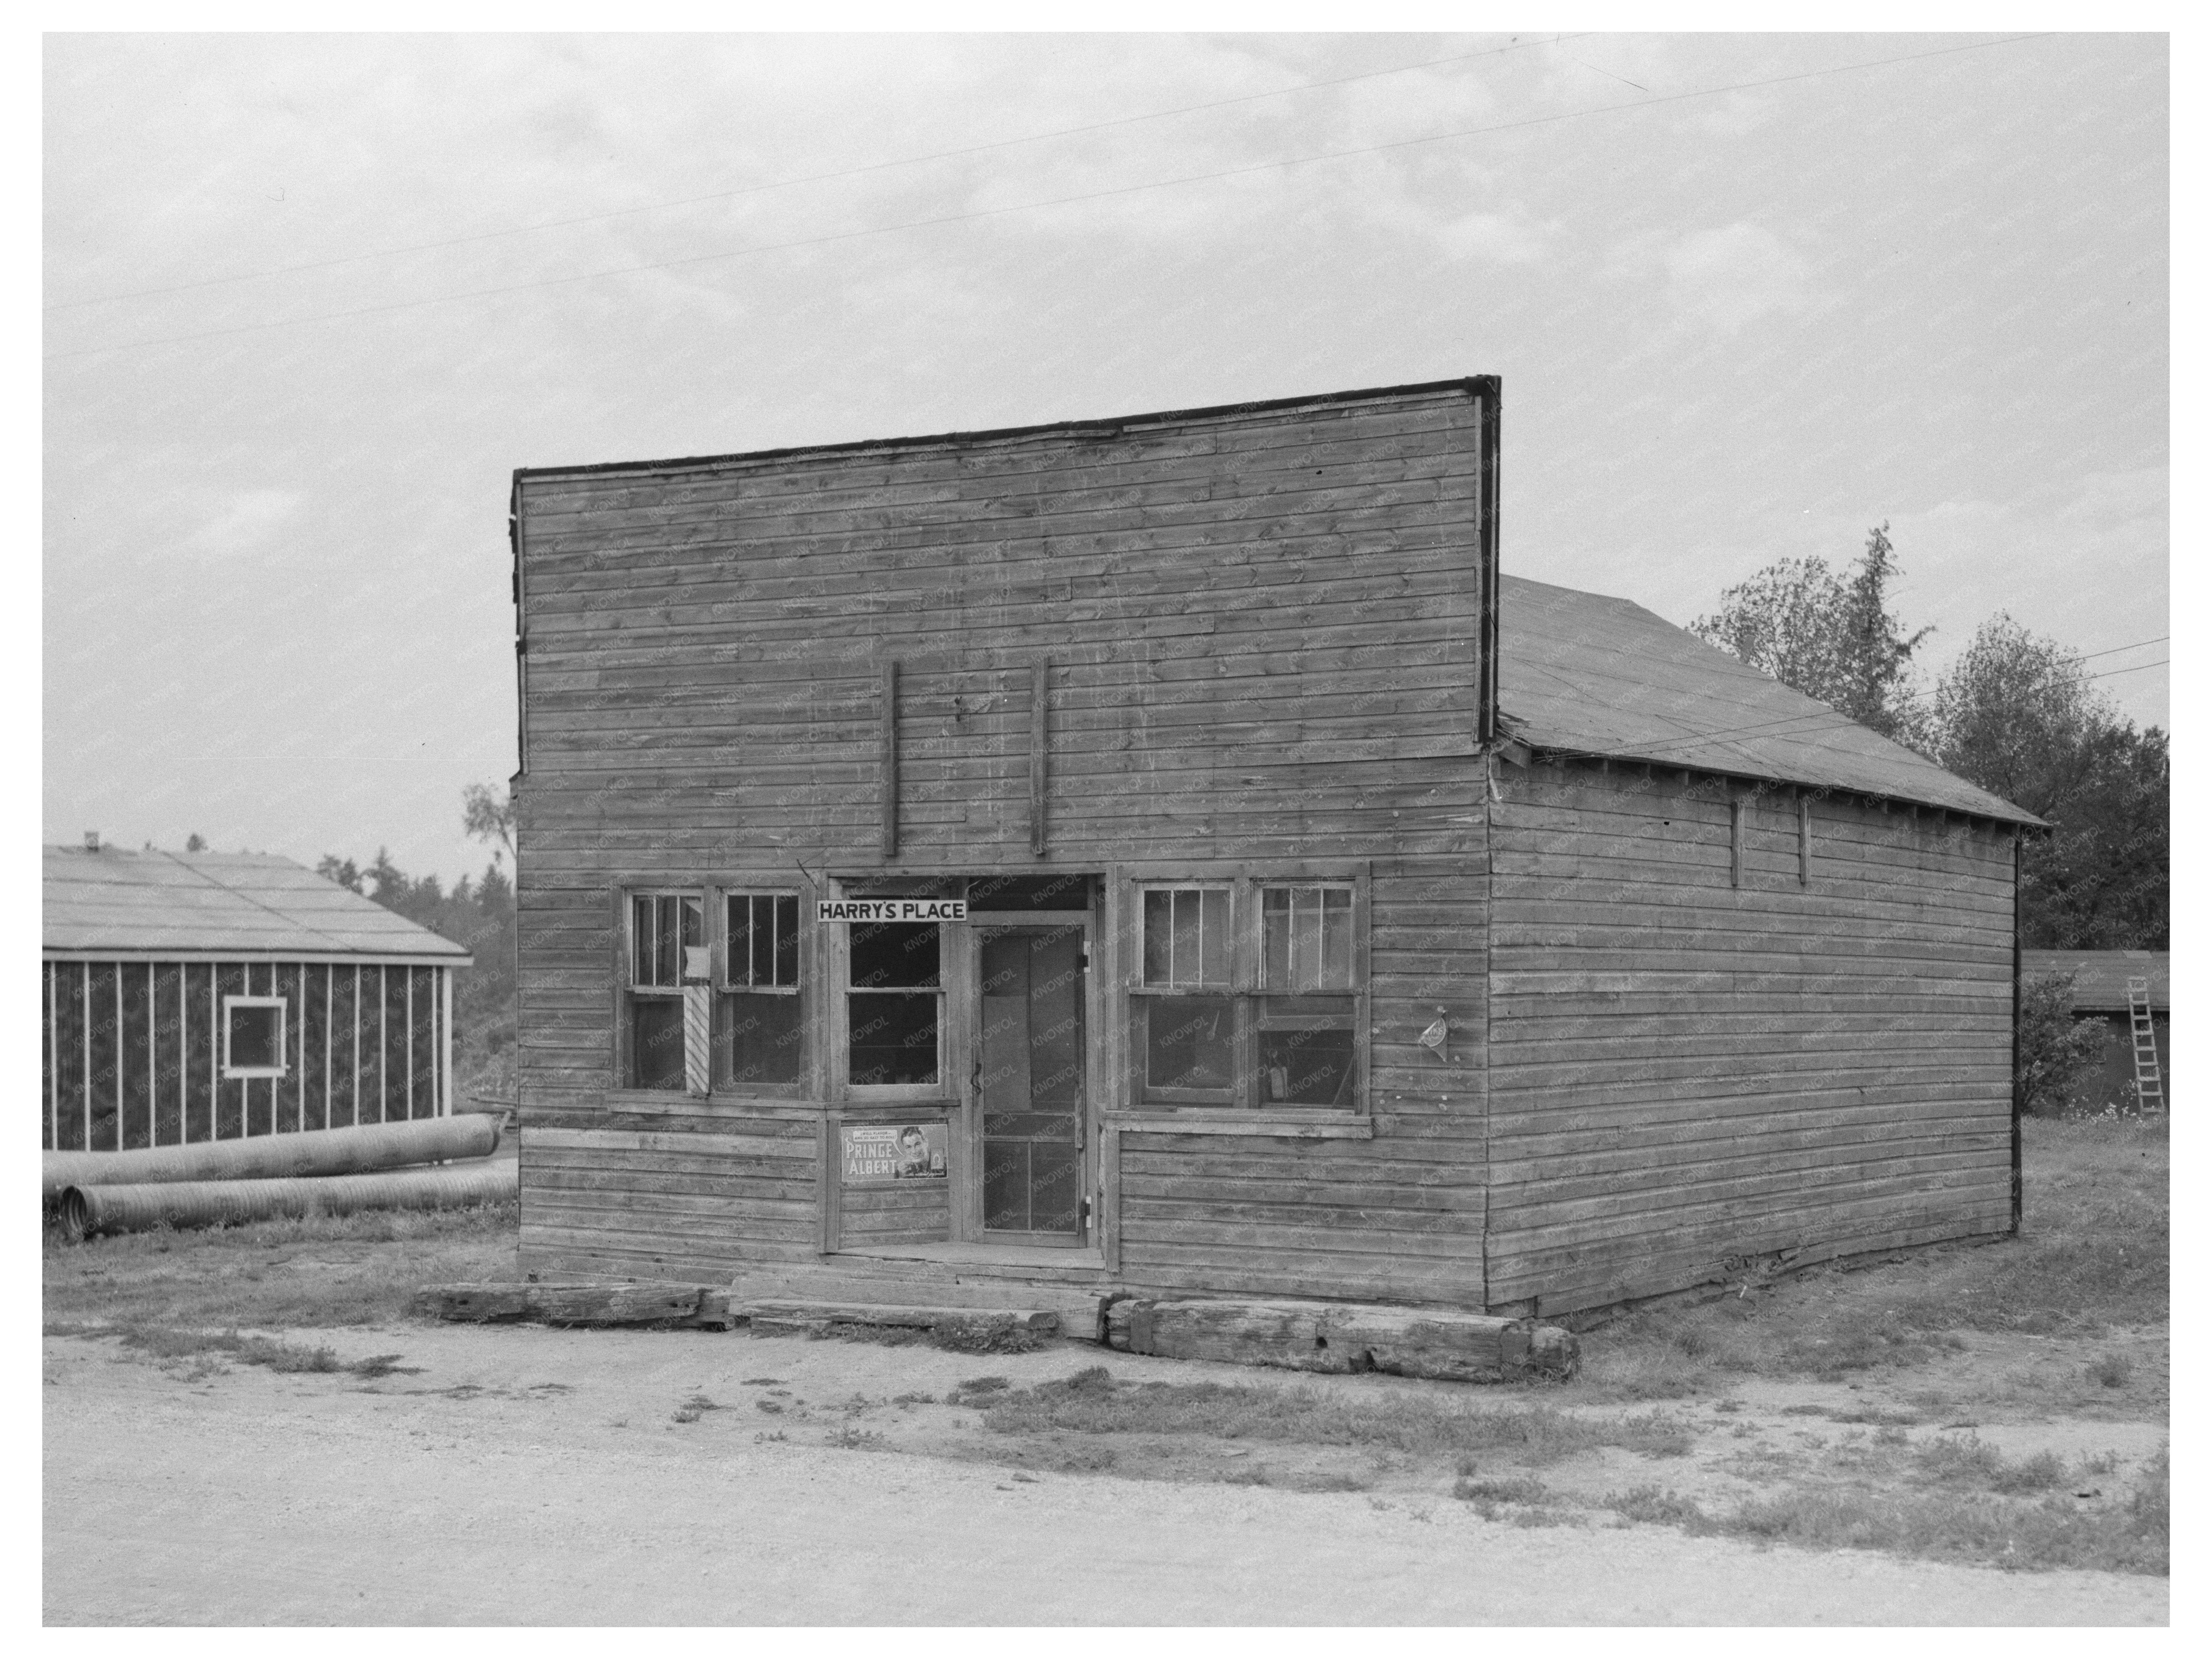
(893, 1152)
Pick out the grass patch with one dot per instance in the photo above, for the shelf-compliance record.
(693, 1409)
(161, 1343)
(2093, 1253)
(2015, 1523)
(1092, 1402)
(318, 1272)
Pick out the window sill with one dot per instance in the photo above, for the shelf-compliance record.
(1337, 1126)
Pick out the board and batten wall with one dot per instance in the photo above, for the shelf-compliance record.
(1701, 1069)
(1262, 631)
(132, 1050)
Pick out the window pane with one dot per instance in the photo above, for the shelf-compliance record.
(757, 1038)
(894, 1033)
(1336, 940)
(737, 918)
(888, 953)
(1275, 936)
(1157, 962)
(1306, 937)
(786, 940)
(665, 941)
(1307, 1053)
(1189, 1041)
(641, 941)
(1187, 936)
(1214, 936)
(255, 1039)
(656, 1046)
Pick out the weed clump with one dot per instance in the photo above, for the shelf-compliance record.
(1092, 1402)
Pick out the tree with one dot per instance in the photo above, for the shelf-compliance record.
(1829, 634)
(2018, 715)
(2054, 1048)
(489, 817)
(195, 843)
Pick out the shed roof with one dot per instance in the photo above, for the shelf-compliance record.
(2100, 977)
(237, 905)
(1589, 674)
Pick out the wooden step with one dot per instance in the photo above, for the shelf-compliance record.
(1343, 1337)
(604, 1301)
(800, 1317)
(1079, 1308)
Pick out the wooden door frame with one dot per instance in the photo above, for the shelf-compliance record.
(967, 1207)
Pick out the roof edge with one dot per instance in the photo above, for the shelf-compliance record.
(1474, 385)
(2013, 815)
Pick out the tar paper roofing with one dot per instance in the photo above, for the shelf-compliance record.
(2100, 977)
(236, 905)
(1583, 673)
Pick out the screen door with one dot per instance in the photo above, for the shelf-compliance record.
(1030, 1083)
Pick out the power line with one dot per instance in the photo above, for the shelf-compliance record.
(1027, 207)
(804, 178)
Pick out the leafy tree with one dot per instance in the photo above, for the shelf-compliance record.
(195, 843)
(1830, 634)
(2017, 714)
(2054, 1049)
(489, 817)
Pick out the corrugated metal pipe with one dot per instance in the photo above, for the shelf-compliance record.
(88, 1210)
(306, 1152)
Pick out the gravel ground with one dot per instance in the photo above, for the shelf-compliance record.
(524, 1476)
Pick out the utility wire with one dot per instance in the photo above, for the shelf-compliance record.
(809, 178)
(1026, 207)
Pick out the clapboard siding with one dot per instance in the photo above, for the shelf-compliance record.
(1400, 1217)
(680, 1198)
(1263, 632)
(1688, 1075)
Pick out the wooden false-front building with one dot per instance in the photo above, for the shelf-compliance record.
(1165, 853)
(211, 996)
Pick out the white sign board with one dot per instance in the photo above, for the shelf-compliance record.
(891, 910)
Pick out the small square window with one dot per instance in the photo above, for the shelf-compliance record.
(253, 1036)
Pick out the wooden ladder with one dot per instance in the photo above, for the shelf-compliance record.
(2150, 1092)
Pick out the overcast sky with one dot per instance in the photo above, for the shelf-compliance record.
(1748, 295)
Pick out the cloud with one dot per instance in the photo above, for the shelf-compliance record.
(1736, 274)
(250, 520)
(1510, 239)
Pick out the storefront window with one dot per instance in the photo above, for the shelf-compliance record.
(1290, 1039)
(895, 1007)
(759, 1036)
(666, 932)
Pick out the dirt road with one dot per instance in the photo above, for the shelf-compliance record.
(528, 1476)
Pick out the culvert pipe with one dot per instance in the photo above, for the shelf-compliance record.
(302, 1152)
(86, 1210)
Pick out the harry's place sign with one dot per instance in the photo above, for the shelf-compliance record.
(891, 910)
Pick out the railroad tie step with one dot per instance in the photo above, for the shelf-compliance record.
(781, 1318)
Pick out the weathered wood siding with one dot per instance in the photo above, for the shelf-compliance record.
(1263, 632)
(131, 1051)
(1690, 1076)
(1398, 1218)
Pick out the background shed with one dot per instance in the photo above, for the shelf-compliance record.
(208, 996)
(2100, 993)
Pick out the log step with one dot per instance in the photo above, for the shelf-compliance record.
(918, 1284)
(798, 1318)
(628, 1302)
(1339, 1338)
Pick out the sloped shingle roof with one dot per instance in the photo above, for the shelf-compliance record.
(246, 904)
(1583, 672)
(2100, 977)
